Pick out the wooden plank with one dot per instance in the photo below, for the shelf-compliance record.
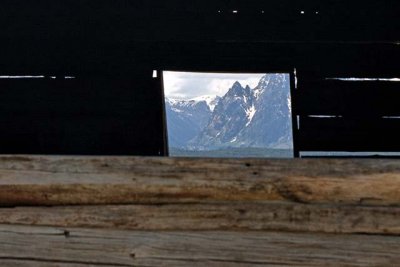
(348, 123)
(349, 134)
(45, 245)
(335, 97)
(332, 68)
(91, 115)
(88, 96)
(267, 216)
(342, 22)
(59, 126)
(295, 122)
(45, 180)
(41, 263)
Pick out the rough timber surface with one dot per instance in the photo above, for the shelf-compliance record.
(30, 180)
(133, 211)
(47, 246)
(249, 216)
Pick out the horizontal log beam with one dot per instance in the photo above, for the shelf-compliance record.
(48, 246)
(253, 216)
(39, 180)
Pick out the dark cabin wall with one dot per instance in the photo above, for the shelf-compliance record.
(114, 106)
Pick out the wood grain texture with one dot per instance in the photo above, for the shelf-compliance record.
(46, 246)
(128, 211)
(41, 180)
(271, 216)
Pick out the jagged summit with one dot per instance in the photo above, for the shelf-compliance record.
(236, 90)
(236, 84)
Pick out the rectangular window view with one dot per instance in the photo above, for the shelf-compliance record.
(228, 115)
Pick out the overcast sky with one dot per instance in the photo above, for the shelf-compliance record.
(187, 85)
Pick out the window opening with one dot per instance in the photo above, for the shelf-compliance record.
(228, 114)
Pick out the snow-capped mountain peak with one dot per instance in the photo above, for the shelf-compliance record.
(211, 100)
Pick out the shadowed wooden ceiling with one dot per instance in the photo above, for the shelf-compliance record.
(112, 47)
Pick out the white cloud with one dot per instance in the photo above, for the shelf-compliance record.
(187, 85)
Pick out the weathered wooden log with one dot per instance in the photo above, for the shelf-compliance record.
(29, 180)
(271, 216)
(45, 246)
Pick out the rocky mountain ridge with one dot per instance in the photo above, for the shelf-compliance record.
(243, 117)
